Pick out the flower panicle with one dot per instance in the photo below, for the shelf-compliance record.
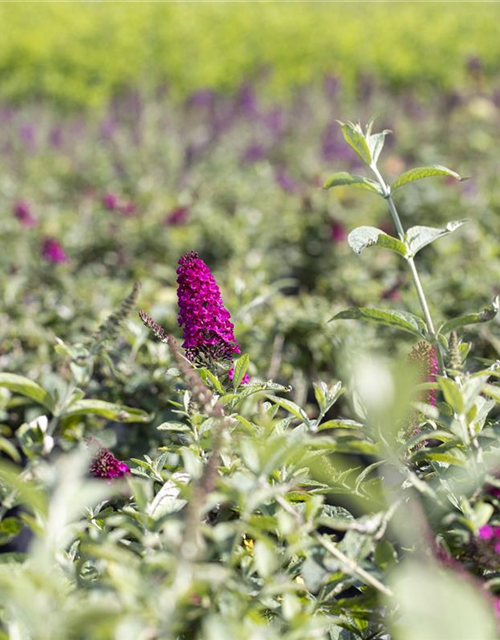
(106, 465)
(425, 357)
(157, 330)
(208, 333)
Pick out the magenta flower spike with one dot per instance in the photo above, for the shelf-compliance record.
(105, 465)
(53, 252)
(207, 328)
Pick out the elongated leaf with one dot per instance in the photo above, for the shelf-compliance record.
(363, 237)
(419, 237)
(487, 314)
(340, 424)
(343, 178)
(355, 138)
(424, 172)
(107, 410)
(452, 394)
(27, 388)
(292, 408)
(240, 368)
(376, 143)
(398, 319)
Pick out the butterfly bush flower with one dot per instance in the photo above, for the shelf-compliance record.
(53, 252)
(22, 211)
(110, 201)
(207, 328)
(105, 465)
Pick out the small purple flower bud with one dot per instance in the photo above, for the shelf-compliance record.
(337, 231)
(110, 201)
(22, 211)
(53, 252)
(285, 181)
(177, 217)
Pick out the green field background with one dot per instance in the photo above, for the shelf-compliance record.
(80, 54)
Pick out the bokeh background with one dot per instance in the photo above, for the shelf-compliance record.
(133, 133)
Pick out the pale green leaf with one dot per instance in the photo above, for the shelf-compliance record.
(398, 319)
(423, 172)
(487, 314)
(28, 388)
(108, 410)
(363, 237)
(343, 178)
(419, 237)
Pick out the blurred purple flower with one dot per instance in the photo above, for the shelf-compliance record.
(28, 135)
(337, 231)
(247, 101)
(111, 201)
(331, 87)
(333, 147)
(127, 209)
(285, 181)
(273, 121)
(105, 465)
(203, 98)
(208, 330)
(53, 252)
(56, 137)
(22, 211)
(254, 153)
(107, 128)
(177, 217)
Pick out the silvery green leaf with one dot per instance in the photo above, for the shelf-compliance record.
(376, 143)
(363, 237)
(343, 178)
(424, 172)
(355, 138)
(28, 388)
(240, 368)
(397, 319)
(487, 314)
(108, 410)
(167, 499)
(419, 237)
(433, 604)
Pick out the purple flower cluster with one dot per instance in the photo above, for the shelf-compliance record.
(22, 211)
(424, 355)
(177, 217)
(207, 328)
(53, 252)
(490, 535)
(105, 465)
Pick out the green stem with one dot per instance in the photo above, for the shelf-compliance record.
(413, 269)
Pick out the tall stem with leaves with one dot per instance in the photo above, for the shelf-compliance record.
(368, 146)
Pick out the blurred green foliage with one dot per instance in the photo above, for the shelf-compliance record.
(79, 53)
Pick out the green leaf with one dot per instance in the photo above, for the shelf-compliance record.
(430, 603)
(487, 314)
(339, 424)
(363, 237)
(343, 178)
(398, 319)
(423, 172)
(107, 410)
(376, 143)
(28, 388)
(9, 529)
(292, 408)
(355, 138)
(452, 394)
(240, 368)
(419, 237)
